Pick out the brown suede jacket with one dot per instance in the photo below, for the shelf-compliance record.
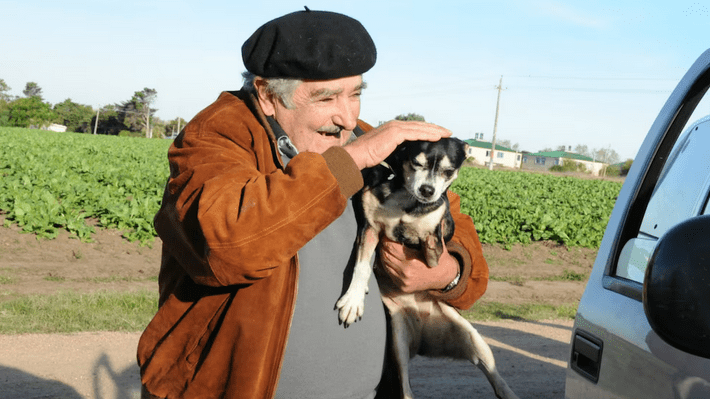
(232, 221)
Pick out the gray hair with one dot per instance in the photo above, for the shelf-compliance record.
(281, 88)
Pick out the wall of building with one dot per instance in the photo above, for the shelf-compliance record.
(482, 157)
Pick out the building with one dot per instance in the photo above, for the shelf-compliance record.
(57, 128)
(480, 151)
(546, 160)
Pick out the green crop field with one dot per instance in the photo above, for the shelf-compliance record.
(520, 207)
(52, 181)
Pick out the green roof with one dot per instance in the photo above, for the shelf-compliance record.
(562, 154)
(486, 145)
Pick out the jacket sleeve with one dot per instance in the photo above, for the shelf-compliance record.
(229, 214)
(466, 247)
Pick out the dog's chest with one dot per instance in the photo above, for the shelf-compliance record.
(390, 216)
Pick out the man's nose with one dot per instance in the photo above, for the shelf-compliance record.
(347, 114)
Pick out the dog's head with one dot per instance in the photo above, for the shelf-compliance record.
(428, 168)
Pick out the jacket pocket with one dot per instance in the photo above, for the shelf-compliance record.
(200, 345)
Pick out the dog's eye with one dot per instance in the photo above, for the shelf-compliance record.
(448, 173)
(416, 163)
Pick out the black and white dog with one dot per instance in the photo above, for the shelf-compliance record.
(405, 199)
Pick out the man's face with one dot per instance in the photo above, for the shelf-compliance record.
(325, 113)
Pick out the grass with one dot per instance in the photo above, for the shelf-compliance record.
(567, 275)
(489, 311)
(68, 312)
(116, 279)
(98, 280)
(515, 280)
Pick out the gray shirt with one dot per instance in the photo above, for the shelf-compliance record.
(323, 359)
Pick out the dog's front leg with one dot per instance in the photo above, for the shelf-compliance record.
(352, 304)
(433, 248)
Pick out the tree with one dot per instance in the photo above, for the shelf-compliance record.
(508, 143)
(174, 126)
(4, 113)
(410, 117)
(568, 165)
(4, 88)
(32, 89)
(110, 122)
(30, 111)
(626, 166)
(76, 117)
(136, 112)
(605, 155)
(582, 149)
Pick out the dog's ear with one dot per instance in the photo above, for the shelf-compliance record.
(399, 156)
(376, 175)
(459, 149)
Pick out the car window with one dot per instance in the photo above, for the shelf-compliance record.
(681, 193)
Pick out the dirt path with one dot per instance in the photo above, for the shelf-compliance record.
(531, 357)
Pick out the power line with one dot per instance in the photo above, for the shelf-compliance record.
(463, 88)
(597, 90)
(590, 78)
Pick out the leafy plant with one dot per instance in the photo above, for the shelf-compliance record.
(55, 181)
(518, 207)
(50, 182)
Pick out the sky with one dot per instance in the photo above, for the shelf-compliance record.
(573, 72)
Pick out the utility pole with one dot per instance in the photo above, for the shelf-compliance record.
(495, 124)
(96, 124)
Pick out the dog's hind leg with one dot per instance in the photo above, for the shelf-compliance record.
(405, 339)
(467, 343)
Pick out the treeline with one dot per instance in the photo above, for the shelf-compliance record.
(134, 117)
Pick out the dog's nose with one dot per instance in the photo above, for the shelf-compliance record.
(426, 190)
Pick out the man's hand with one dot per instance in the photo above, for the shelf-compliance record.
(410, 273)
(374, 146)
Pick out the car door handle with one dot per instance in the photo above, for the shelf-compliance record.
(586, 355)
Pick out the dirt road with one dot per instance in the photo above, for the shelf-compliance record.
(530, 355)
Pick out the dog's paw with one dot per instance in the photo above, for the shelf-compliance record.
(350, 307)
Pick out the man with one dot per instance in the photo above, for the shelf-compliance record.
(258, 229)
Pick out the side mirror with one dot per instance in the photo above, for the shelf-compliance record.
(676, 289)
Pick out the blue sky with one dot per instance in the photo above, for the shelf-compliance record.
(574, 72)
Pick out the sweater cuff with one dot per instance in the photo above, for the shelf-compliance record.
(464, 260)
(344, 169)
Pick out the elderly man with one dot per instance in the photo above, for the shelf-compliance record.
(258, 229)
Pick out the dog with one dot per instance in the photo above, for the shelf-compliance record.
(404, 199)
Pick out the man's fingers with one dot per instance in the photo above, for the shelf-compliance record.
(376, 145)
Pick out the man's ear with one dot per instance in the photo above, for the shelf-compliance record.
(266, 100)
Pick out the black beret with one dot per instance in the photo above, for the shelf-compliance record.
(315, 45)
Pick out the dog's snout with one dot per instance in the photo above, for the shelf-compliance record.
(426, 190)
